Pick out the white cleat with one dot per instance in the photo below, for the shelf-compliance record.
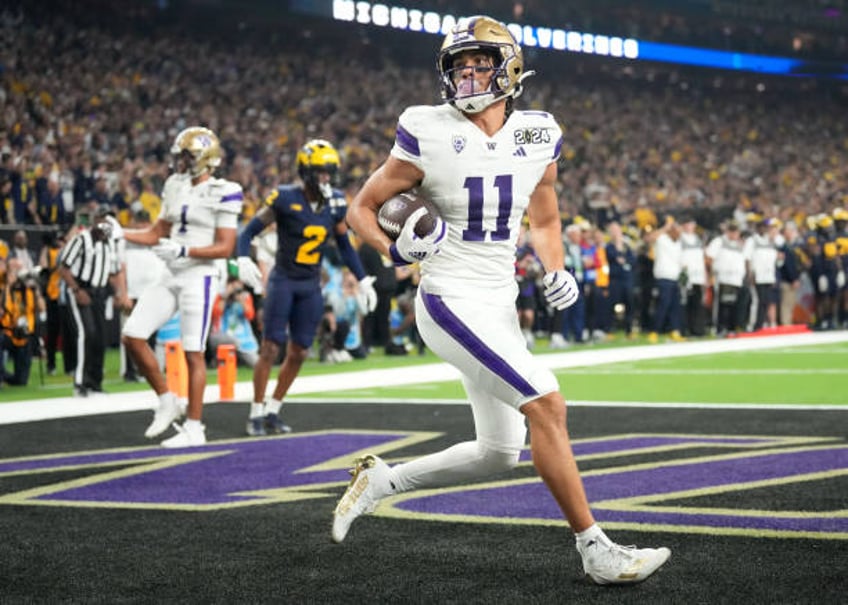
(369, 484)
(167, 412)
(606, 562)
(186, 437)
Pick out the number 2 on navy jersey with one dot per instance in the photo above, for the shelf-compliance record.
(476, 208)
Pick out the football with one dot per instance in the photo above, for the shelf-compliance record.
(396, 211)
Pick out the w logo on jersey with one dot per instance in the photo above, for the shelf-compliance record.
(458, 142)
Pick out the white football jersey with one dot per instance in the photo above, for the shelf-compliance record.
(196, 211)
(481, 185)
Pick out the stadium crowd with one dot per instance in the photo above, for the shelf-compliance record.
(93, 94)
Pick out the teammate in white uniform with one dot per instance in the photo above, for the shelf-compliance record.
(484, 165)
(197, 225)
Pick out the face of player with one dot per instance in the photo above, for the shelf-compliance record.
(472, 72)
(323, 181)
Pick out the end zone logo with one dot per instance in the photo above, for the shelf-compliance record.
(646, 496)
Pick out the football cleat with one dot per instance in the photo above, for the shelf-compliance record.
(256, 426)
(606, 562)
(275, 426)
(167, 412)
(368, 485)
(186, 437)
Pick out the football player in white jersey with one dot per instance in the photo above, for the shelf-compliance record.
(484, 164)
(196, 227)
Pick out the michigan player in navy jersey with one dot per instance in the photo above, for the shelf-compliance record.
(484, 165)
(196, 228)
(306, 216)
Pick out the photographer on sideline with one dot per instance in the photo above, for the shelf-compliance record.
(22, 302)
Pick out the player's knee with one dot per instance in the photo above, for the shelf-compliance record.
(297, 353)
(549, 409)
(269, 351)
(498, 461)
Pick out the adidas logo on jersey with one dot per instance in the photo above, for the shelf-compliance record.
(520, 153)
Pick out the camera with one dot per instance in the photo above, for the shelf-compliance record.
(21, 329)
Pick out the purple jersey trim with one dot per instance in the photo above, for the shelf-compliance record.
(233, 197)
(407, 142)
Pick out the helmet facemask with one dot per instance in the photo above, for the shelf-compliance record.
(315, 160)
(487, 37)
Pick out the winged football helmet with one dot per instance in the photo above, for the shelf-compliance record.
(200, 148)
(489, 36)
(315, 157)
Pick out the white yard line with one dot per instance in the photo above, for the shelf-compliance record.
(67, 407)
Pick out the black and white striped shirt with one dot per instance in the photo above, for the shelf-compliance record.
(90, 262)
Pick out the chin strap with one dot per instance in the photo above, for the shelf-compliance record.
(519, 86)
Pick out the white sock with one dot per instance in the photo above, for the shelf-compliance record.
(273, 406)
(593, 532)
(193, 426)
(167, 398)
(257, 410)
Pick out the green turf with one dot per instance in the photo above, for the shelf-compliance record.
(796, 375)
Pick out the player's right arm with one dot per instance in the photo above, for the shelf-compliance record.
(394, 176)
(149, 236)
(263, 217)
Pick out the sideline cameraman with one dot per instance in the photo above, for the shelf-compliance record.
(22, 302)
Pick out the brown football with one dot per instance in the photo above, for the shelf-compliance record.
(395, 211)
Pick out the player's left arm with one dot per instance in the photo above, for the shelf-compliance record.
(221, 247)
(545, 225)
(346, 250)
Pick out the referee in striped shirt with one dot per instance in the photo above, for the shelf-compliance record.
(88, 263)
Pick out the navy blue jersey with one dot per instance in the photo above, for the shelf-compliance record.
(302, 234)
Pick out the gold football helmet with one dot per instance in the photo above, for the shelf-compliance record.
(314, 157)
(199, 148)
(493, 38)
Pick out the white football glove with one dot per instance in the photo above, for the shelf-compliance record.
(840, 279)
(822, 284)
(561, 289)
(249, 273)
(169, 250)
(367, 294)
(409, 248)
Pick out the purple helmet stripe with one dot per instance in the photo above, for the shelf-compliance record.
(451, 324)
(407, 142)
